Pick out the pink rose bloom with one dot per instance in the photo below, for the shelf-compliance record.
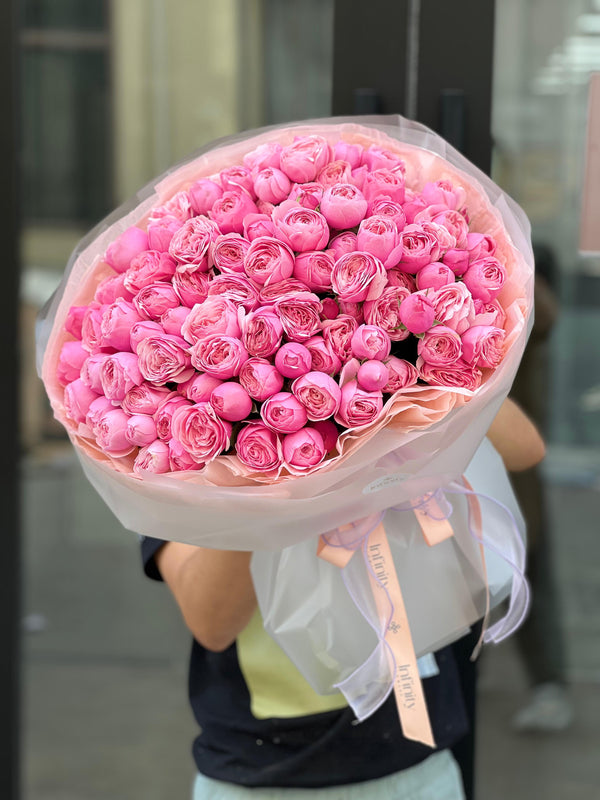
(379, 236)
(118, 374)
(314, 268)
(342, 243)
(459, 375)
(305, 158)
(142, 330)
(300, 315)
(260, 378)
(338, 334)
(215, 315)
(444, 193)
(352, 310)
(111, 289)
(90, 371)
(489, 314)
(268, 260)
(373, 375)
(453, 306)
(116, 323)
(385, 312)
(330, 308)
(199, 387)
(319, 394)
(357, 407)
(122, 250)
(308, 195)
(148, 267)
(221, 356)
(179, 458)
(231, 401)
(352, 153)
(238, 289)
(201, 431)
(98, 407)
(140, 430)
(419, 248)
(272, 185)
(161, 232)
(70, 361)
(275, 291)
(335, 172)
(91, 327)
(328, 430)
(228, 252)
(384, 182)
(257, 226)
(343, 206)
(480, 245)
(191, 286)
(262, 331)
(259, 448)
(385, 207)
(173, 318)
(265, 155)
(402, 374)
(303, 450)
(445, 239)
(164, 359)
(369, 341)
(178, 206)
(300, 228)
(396, 277)
(191, 243)
(293, 359)
(145, 398)
(283, 413)
(483, 345)
(236, 177)
(455, 224)
(417, 313)
(484, 278)
(74, 320)
(434, 276)
(440, 346)
(375, 157)
(322, 355)
(414, 204)
(457, 260)
(77, 400)
(153, 458)
(204, 194)
(229, 211)
(357, 277)
(153, 300)
(111, 433)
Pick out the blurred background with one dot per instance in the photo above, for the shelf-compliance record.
(112, 93)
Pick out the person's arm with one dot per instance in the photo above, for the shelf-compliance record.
(516, 438)
(213, 589)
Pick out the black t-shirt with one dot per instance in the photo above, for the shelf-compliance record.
(319, 749)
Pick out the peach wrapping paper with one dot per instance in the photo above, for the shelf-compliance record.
(426, 436)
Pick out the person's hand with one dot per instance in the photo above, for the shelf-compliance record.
(516, 438)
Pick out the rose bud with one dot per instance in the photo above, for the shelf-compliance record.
(257, 225)
(70, 361)
(485, 278)
(305, 158)
(272, 185)
(293, 359)
(77, 400)
(179, 458)
(402, 374)
(480, 245)
(357, 407)
(371, 342)
(434, 276)
(112, 289)
(258, 447)
(140, 430)
(343, 206)
(228, 212)
(74, 320)
(265, 155)
(303, 449)
(330, 308)
(120, 252)
(328, 431)
(417, 314)
(231, 401)
(384, 182)
(199, 388)
(457, 260)
(283, 413)
(343, 243)
(110, 431)
(153, 458)
(483, 345)
(161, 232)
(237, 177)
(379, 236)
(373, 375)
(319, 394)
(173, 319)
(260, 378)
(440, 346)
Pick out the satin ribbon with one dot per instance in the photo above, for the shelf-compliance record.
(392, 666)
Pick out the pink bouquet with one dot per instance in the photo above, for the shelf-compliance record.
(297, 329)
